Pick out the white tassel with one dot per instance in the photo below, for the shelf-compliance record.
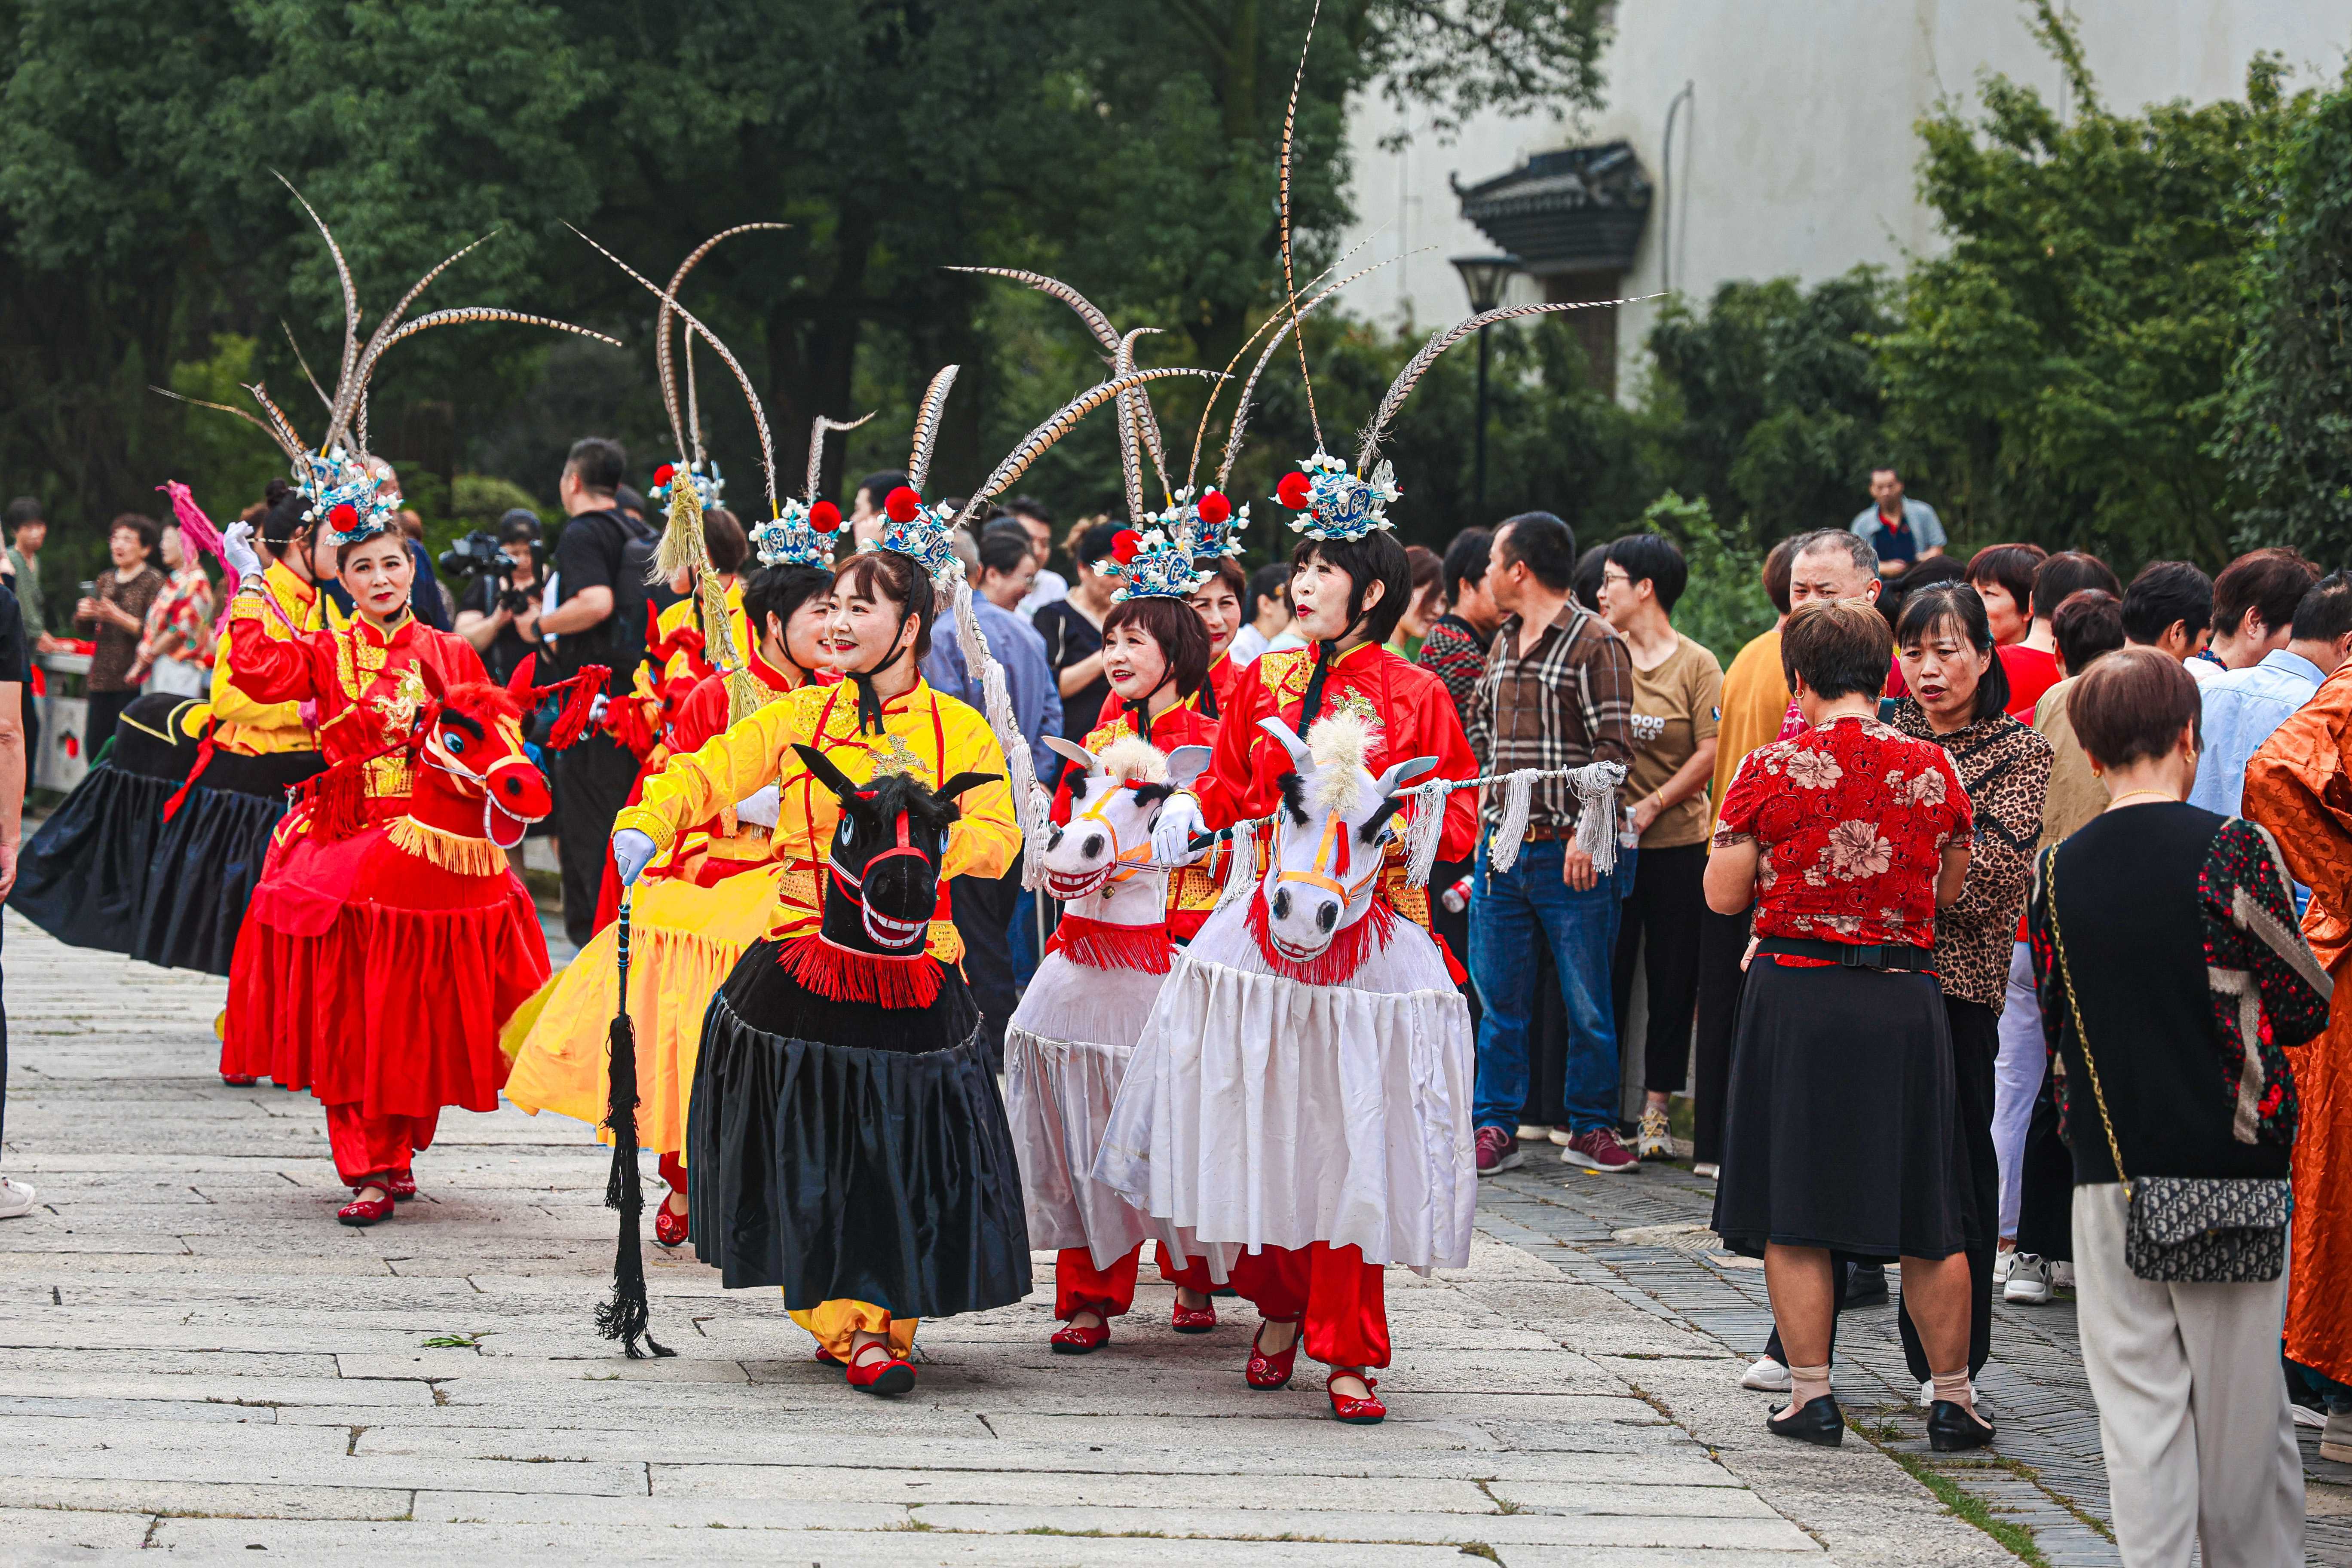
(1595, 788)
(1518, 793)
(1241, 871)
(1021, 768)
(1424, 828)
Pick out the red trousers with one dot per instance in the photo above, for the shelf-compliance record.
(673, 1169)
(367, 1146)
(1080, 1287)
(1332, 1289)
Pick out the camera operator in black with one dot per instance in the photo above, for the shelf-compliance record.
(498, 612)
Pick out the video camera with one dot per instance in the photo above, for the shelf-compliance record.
(478, 555)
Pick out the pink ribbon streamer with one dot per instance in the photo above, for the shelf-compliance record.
(197, 532)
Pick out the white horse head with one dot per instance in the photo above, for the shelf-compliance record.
(1100, 863)
(1330, 833)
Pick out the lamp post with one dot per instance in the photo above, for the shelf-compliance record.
(1484, 277)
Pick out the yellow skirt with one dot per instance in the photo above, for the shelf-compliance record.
(682, 940)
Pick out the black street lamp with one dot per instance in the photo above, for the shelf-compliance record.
(1484, 277)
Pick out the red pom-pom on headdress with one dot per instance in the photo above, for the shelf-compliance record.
(825, 517)
(662, 475)
(1215, 508)
(1293, 490)
(345, 517)
(902, 504)
(1124, 544)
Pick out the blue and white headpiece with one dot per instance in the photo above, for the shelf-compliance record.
(711, 487)
(1210, 526)
(1333, 504)
(800, 535)
(347, 497)
(921, 534)
(1156, 564)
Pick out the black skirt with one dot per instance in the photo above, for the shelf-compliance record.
(844, 1151)
(83, 877)
(1840, 1120)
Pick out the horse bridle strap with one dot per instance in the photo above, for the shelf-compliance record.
(1332, 852)
(1130, 863)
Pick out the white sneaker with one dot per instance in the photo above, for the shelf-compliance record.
(15, 1198)
(2003, 1263)
(1656, 1141)
(2062, 1274)
(1706, 1170)
(1767, 1376)
(2305, 1416)
(2335, 1438)
(2028, 1281)
(1533, 1131)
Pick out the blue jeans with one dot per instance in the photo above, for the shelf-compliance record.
(1025, 954)
(1509, 912)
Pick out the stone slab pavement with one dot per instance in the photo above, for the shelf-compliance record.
(196, 1359)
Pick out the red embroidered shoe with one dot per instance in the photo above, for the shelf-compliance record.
(1363, 1412)
(365, 1211)
(825, 1356)
(400, 1184)
(237, 1079)
(1270, 1370)
(875, 1369)
(1080, 1339)
(1187, 1320)
(669, 1227)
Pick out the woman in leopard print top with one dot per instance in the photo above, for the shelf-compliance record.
(1958, 692)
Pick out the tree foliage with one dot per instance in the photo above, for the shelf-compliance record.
(2058, 371)
(1129, 148)
(2288, 432)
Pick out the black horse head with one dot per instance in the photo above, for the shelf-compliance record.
(882, 880)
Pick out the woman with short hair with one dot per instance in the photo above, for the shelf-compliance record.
(2173, 977)
(1847, 836)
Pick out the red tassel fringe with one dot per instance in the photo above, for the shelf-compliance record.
(337, 799)
(1335, 965)
(203, 760)
(573, 721)
(1099, 945)
(840, 975)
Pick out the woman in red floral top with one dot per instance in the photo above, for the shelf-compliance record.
(1847, 838)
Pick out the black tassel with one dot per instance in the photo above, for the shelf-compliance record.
(869, 704)
(628, 1316)
(1311, 707)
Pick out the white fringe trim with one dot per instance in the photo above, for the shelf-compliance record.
(1030, 807)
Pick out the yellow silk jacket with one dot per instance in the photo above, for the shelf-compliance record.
(684, 613)
(929, 736)
(241, 725)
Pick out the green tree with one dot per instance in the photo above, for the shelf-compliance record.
(2288, 432)
(1768, 408)
(2059, 371)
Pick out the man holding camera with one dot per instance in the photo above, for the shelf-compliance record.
(601, 560)
(500, 612)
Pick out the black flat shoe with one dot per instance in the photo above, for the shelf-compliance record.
(1818, 1421)
(1952, 1429)
(1867, 1288)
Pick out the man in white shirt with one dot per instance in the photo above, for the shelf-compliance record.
(2242, 706)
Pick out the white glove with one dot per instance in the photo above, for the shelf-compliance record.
(237, 549)
(596, 708)
(1171, 836)
(631, 852)
(759, 807)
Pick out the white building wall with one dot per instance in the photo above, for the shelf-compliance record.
(1794, 152)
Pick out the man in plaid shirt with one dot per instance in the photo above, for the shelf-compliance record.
(1558, 693)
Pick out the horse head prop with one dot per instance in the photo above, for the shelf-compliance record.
(882, 873)
(474, 775)
(1100, 863)
(1331, 834)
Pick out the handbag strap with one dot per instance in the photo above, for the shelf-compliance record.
(2082, 1040)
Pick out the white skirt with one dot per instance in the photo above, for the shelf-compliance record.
(1066, 1048)
(1259, 1111)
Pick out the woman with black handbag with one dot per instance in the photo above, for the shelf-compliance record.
(2172, 978)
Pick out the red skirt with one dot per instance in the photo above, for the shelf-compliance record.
(371, 976)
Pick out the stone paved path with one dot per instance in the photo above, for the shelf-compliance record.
(196, 1359)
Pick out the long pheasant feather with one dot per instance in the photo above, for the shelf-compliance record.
(927, 427)
(816, 448)
(1064, 419)
(661, 327)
